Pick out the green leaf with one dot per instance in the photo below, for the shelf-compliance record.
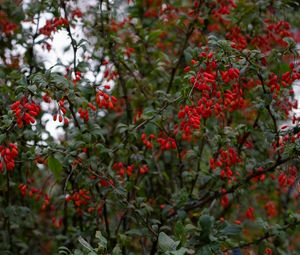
(32, 88)
(78, 252)
(102, 244)
(86, 245)
(2, 137)
(122, 128)
(117, 250)
(232, 230)
(64, 251)
(205, 250)
(179, 230)
(59, 80)
(135, 232)
(181, 251)
(166, 243)
(55, 166)
(188, 57)
(205, 221)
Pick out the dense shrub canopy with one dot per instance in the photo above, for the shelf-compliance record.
(176, 127)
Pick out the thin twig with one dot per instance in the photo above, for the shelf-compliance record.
(189, 32)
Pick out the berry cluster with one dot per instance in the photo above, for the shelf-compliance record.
(25, 111)
(143, 169)
(268, 251)
(289, 178)
(273, 36)
(106, 182)
(121, 169)
(62, 112)
(77, 77)
(6, 26)
(47, 99)
(250, 213)
(36, 194)
(209, 99)
(147, 141)
(8, 155)
(271, 209)
(57, 223)
(103, 100)
(83, 114)
(239, 41)
(224, 199)
(226, 159)
(77, 13)
(167, 143)
(80, 198)
(53, 25)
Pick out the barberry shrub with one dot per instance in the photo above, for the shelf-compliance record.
(177, 122)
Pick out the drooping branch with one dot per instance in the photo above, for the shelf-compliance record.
(264, 237)
(244, 182)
